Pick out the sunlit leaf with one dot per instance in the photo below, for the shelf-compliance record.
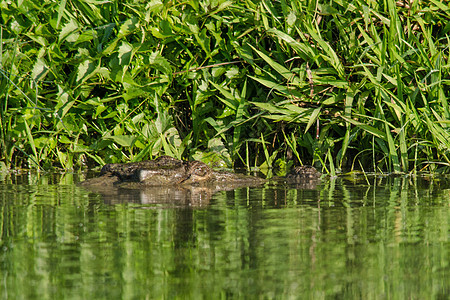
(85, 70)
(69, 32)
(123, 140)
(40, 70)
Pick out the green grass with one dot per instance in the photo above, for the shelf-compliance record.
(232, 83)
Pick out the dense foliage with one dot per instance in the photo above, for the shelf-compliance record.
(340, 84)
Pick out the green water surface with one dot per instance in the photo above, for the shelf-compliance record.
(387, 238)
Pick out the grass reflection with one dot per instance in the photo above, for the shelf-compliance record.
(342, 239)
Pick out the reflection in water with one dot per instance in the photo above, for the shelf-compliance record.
(340, 239)
(161, 197)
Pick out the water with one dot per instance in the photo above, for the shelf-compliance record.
(342, 239)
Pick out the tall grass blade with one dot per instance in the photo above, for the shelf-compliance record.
(392, 151)
(286, 73)
(370, 129)
(292, 143)
(313, 118)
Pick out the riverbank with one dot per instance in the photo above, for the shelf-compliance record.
(254, 84)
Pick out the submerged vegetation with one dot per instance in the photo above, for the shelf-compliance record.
(338, 84)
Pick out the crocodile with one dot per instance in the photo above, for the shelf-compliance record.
(167, 171)
(166, 179)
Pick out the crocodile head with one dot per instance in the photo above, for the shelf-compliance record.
(303, 173)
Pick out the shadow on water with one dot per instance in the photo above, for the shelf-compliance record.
(341, 238)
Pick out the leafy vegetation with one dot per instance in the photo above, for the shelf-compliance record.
(339, 84)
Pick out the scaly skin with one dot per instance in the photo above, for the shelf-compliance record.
(303, 173)
(165, 171)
